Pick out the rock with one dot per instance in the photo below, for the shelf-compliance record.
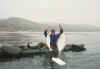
(11, 50)
(39, 49)
(74, 47)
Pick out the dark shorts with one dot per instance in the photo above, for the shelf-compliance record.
(53, 47)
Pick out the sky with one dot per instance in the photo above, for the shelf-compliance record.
(53, 11)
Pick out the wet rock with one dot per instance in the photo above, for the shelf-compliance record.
(75, 48)
(39, 49)
(11, 50)
(68, 47)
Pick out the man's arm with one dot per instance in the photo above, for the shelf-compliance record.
(46, 33)
(61, 31)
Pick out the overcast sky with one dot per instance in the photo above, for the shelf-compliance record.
(61, 11)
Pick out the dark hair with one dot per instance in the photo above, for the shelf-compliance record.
(53, 30)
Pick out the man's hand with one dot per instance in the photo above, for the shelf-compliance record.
(61, 27)
(46, 29)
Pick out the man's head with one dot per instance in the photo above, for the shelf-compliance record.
(53, 31)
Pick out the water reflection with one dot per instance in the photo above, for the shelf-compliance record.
(49, 64)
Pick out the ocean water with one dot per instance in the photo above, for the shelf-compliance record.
(89, 59)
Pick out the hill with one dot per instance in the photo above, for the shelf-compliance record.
(19, 24)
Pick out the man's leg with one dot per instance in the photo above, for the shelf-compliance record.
(55, 51)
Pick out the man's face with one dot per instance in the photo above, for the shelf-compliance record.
(52, 32)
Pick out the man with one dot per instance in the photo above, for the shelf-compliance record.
(53, 38)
